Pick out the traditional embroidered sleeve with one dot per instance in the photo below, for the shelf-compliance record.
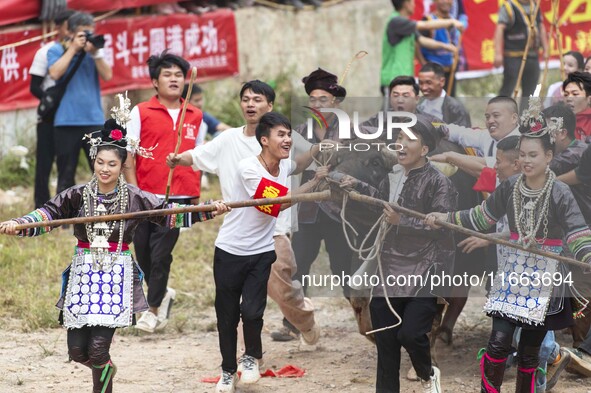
(578, 235)
(485, 215)
(186, 220)
(38, 215)
(64, 205)
(148, 201)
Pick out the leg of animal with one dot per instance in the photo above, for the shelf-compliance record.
(289, 294)
(306, 245)
(339, 253)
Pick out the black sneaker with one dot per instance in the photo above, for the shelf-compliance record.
(287, 333)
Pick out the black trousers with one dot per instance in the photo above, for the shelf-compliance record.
(417, 315)
(68, 142)
(306, 246)
(153, 249)
(43, 162)
(531, 75)
(238, 277)
(90, 345)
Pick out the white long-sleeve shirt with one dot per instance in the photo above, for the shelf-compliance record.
(479, 139)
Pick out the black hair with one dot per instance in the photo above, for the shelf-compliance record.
(121, 152)
(587, 61)
(581, 79)
(569, 119)
(404, 80)
(547, 145)
(268, 121)
(578, 57)
(63, 16)
(166, 60)
(509, 143)
(259, 87)
(196, 90)
(437, 69)
(399, 3)
(117, 143)
(505, 100)
(78, 19)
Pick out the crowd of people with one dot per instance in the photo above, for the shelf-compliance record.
(528, 178)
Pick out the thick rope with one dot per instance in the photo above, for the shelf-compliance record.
(374, 251)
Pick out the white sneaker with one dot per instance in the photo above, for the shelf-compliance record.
(250, 369)
(165, 307)
(147, 322)
(433, 384)
(227, 383)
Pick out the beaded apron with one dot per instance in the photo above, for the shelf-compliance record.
(522, 298)
(99, 296)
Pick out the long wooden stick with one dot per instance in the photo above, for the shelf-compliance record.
(532, 21)
(180, 128)
(295, 198)
(408, 212)
(49, 35)
(359, 55)
(454, 66)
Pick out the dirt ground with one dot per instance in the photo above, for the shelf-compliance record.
(172, 362)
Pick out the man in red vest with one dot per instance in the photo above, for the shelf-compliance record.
(154, 122)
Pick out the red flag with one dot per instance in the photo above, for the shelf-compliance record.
(270, 189)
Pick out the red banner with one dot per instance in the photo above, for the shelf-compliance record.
(14, 11)
(208, 42)
(574, 23)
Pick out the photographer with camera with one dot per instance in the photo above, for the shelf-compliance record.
(77, 62)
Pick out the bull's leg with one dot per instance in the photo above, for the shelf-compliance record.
(360, 303)
(459, 297)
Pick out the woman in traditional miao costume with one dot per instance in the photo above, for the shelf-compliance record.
(103, 285)
(529, 291)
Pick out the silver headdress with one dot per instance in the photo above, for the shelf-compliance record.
(533, 122)
(114, 132)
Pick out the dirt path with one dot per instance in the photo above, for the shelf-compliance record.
(173, 362)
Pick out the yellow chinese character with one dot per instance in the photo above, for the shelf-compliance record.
(266, 208)
(270, 192)
(487, 51)
(581, 41)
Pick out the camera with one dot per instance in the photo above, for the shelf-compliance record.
(97, 40)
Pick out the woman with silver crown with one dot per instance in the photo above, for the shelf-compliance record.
(528, 290)
(102, 286)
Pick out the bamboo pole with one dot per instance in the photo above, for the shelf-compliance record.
(454, 66)
(180, 129)
(532, 21)
(49, 35)
(408, 212)
(295, 198)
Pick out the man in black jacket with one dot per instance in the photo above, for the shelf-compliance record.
(436, 102)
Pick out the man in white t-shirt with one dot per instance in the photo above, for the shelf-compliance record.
(222, 156)
(41, 81)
